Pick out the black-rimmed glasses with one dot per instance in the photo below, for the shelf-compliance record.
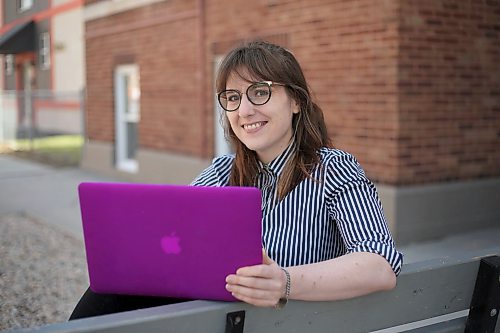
(258, 93)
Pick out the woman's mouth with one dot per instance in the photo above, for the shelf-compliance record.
(254, 126)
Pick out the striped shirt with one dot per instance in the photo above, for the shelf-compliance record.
(317, 220)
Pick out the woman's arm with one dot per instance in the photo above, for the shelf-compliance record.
(351, 275)
(348, 276)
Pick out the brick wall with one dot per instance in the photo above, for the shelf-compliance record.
(348, 50)
(411, 88)
(161, 39)
(449, 90)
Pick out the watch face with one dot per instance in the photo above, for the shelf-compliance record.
(281, 303)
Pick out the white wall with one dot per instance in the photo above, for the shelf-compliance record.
(68, 49)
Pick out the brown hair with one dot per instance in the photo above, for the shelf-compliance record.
(270, 62)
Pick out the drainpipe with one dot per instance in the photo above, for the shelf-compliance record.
(200, 4)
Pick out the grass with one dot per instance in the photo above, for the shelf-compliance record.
(58, 150)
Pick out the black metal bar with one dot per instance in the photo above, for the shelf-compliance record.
(235, 322)
(485, 303)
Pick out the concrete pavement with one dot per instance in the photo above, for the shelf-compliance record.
(46, 193)
(50, 195)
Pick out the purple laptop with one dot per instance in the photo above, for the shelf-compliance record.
(168, 240)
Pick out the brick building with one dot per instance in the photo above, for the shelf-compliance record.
(47, 36)
(42, 77)
(411, 88)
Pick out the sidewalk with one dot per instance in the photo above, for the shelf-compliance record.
(46, 193)
(50, 195)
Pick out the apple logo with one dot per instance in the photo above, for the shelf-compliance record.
(170, 244)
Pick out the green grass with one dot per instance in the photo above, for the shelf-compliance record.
(60, 150)
(52, 144)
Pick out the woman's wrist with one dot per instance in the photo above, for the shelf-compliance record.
(286, 290)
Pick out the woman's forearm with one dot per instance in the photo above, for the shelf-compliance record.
(348, 276)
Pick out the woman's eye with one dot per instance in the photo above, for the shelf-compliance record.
(261, 92)
(233, 98)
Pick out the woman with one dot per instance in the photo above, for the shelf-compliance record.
(321, 216)
(324, 232)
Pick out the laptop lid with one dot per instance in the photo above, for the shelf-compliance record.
(169, 240)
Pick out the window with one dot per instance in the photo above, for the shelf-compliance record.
(9, 64)
(44, 50)
(23, 5)
(127, 116)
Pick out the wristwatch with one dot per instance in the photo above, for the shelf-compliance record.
(284, 300)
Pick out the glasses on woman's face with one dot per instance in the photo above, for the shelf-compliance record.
(257, 93)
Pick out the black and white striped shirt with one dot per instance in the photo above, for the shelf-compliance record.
(316, 221)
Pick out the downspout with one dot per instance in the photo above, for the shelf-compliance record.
(202, 78)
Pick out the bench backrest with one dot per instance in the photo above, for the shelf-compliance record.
(431, 296)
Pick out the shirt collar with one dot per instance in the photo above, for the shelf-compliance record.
(278, 164)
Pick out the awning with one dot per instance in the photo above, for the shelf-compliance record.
(20, 38)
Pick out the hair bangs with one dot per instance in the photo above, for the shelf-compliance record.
(251, 64)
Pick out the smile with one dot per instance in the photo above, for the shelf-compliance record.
(254, 126)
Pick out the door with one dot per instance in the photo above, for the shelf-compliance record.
(127, 116)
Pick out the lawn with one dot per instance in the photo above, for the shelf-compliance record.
(58, 150)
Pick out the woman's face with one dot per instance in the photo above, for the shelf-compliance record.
(265, 129)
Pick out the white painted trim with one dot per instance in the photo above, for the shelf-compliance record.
(110, 7)
(221, 146)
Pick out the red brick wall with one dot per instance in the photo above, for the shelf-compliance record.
(348, 50)
(166, 53)
(411, 88)
(449, 90)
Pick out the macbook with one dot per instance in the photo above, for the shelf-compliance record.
(169, 240)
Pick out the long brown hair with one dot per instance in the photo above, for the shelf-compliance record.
(270, 62)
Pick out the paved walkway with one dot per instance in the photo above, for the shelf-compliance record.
(50, 195)
(43, 192)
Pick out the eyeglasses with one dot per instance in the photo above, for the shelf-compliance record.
(257, 93)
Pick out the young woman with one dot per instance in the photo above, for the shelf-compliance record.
(324, 232)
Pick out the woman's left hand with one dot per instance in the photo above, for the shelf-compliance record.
(260, 285)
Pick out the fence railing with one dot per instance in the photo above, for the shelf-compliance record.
(39, 113)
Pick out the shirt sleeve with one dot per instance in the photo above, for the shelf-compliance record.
(217, 174)
(354, 204)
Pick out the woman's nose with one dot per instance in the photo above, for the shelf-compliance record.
(246, 108)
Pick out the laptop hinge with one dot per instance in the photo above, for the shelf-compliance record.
(235, 321)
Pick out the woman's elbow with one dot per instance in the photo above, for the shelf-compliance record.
(384, 276)
(387, 278)
(389, 282)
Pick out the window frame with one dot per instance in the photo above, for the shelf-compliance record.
(24, 5)
(44, 50)
(9, 64)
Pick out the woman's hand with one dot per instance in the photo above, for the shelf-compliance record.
(260, 285)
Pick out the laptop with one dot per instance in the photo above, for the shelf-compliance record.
(169, 240)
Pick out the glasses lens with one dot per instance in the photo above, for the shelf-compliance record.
(259, 93)
(229, 100)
